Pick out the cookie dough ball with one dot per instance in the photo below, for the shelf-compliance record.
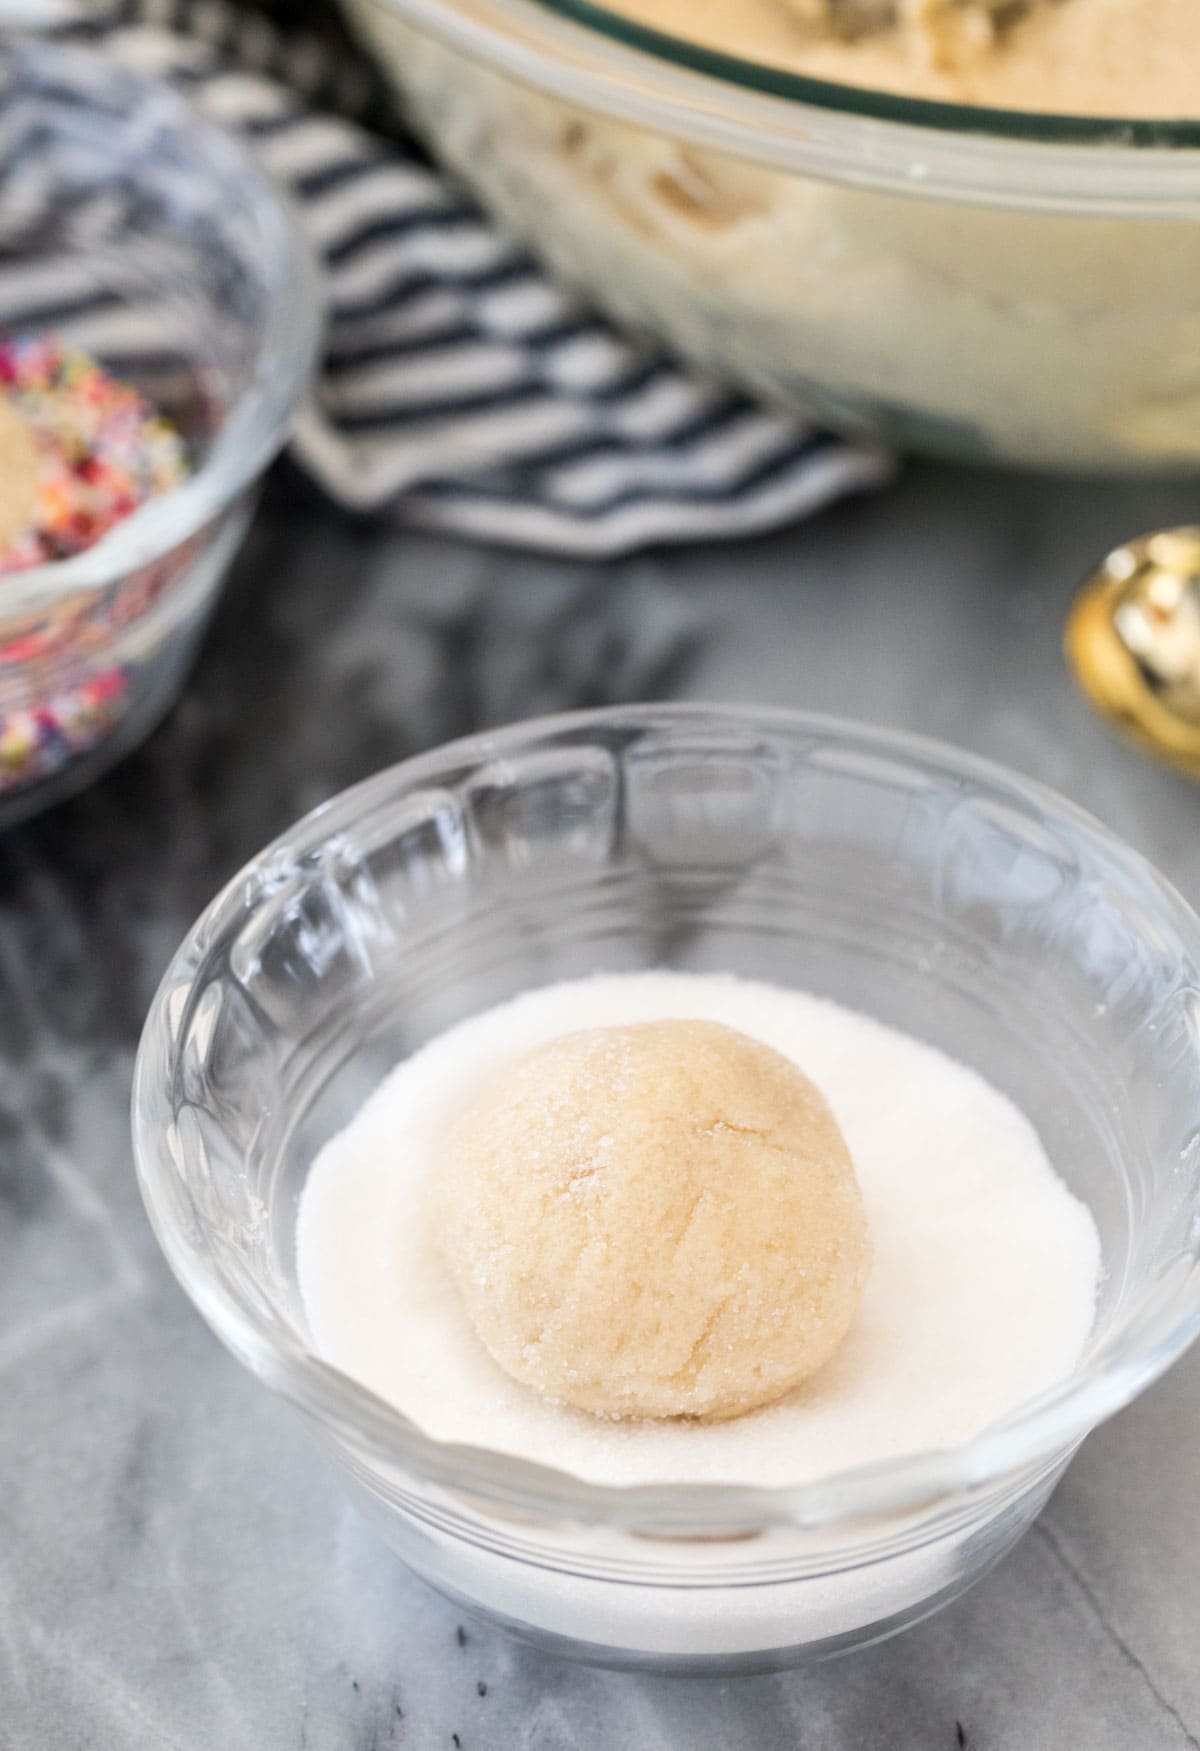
(19, 475)
(654, 1221)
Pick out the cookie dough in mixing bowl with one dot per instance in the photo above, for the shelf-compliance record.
(1081, 57)
(770, 194)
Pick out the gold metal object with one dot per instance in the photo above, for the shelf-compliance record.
(1133, 642)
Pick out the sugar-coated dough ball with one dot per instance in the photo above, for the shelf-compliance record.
(659, 1220)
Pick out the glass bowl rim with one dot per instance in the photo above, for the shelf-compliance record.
(259, 417)
(583, 52)
(1033, 1436)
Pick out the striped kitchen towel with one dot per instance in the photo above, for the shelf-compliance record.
(460, 387)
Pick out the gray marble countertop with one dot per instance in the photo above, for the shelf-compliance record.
(176, 1569)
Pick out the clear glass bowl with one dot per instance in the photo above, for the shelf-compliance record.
(979, 284)
(131, 228)
(936, 892)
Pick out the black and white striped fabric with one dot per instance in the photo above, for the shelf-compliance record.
(459, 385)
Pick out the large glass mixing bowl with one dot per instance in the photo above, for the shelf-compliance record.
(938, 893)
(979, 284)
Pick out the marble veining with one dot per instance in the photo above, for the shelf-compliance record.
(177, 1572)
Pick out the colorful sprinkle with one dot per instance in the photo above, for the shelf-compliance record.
(101, 451)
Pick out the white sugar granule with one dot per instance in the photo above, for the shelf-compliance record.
(981, 1293)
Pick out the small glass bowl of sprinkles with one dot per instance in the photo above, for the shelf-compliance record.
(79, 452)
(158, 326)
